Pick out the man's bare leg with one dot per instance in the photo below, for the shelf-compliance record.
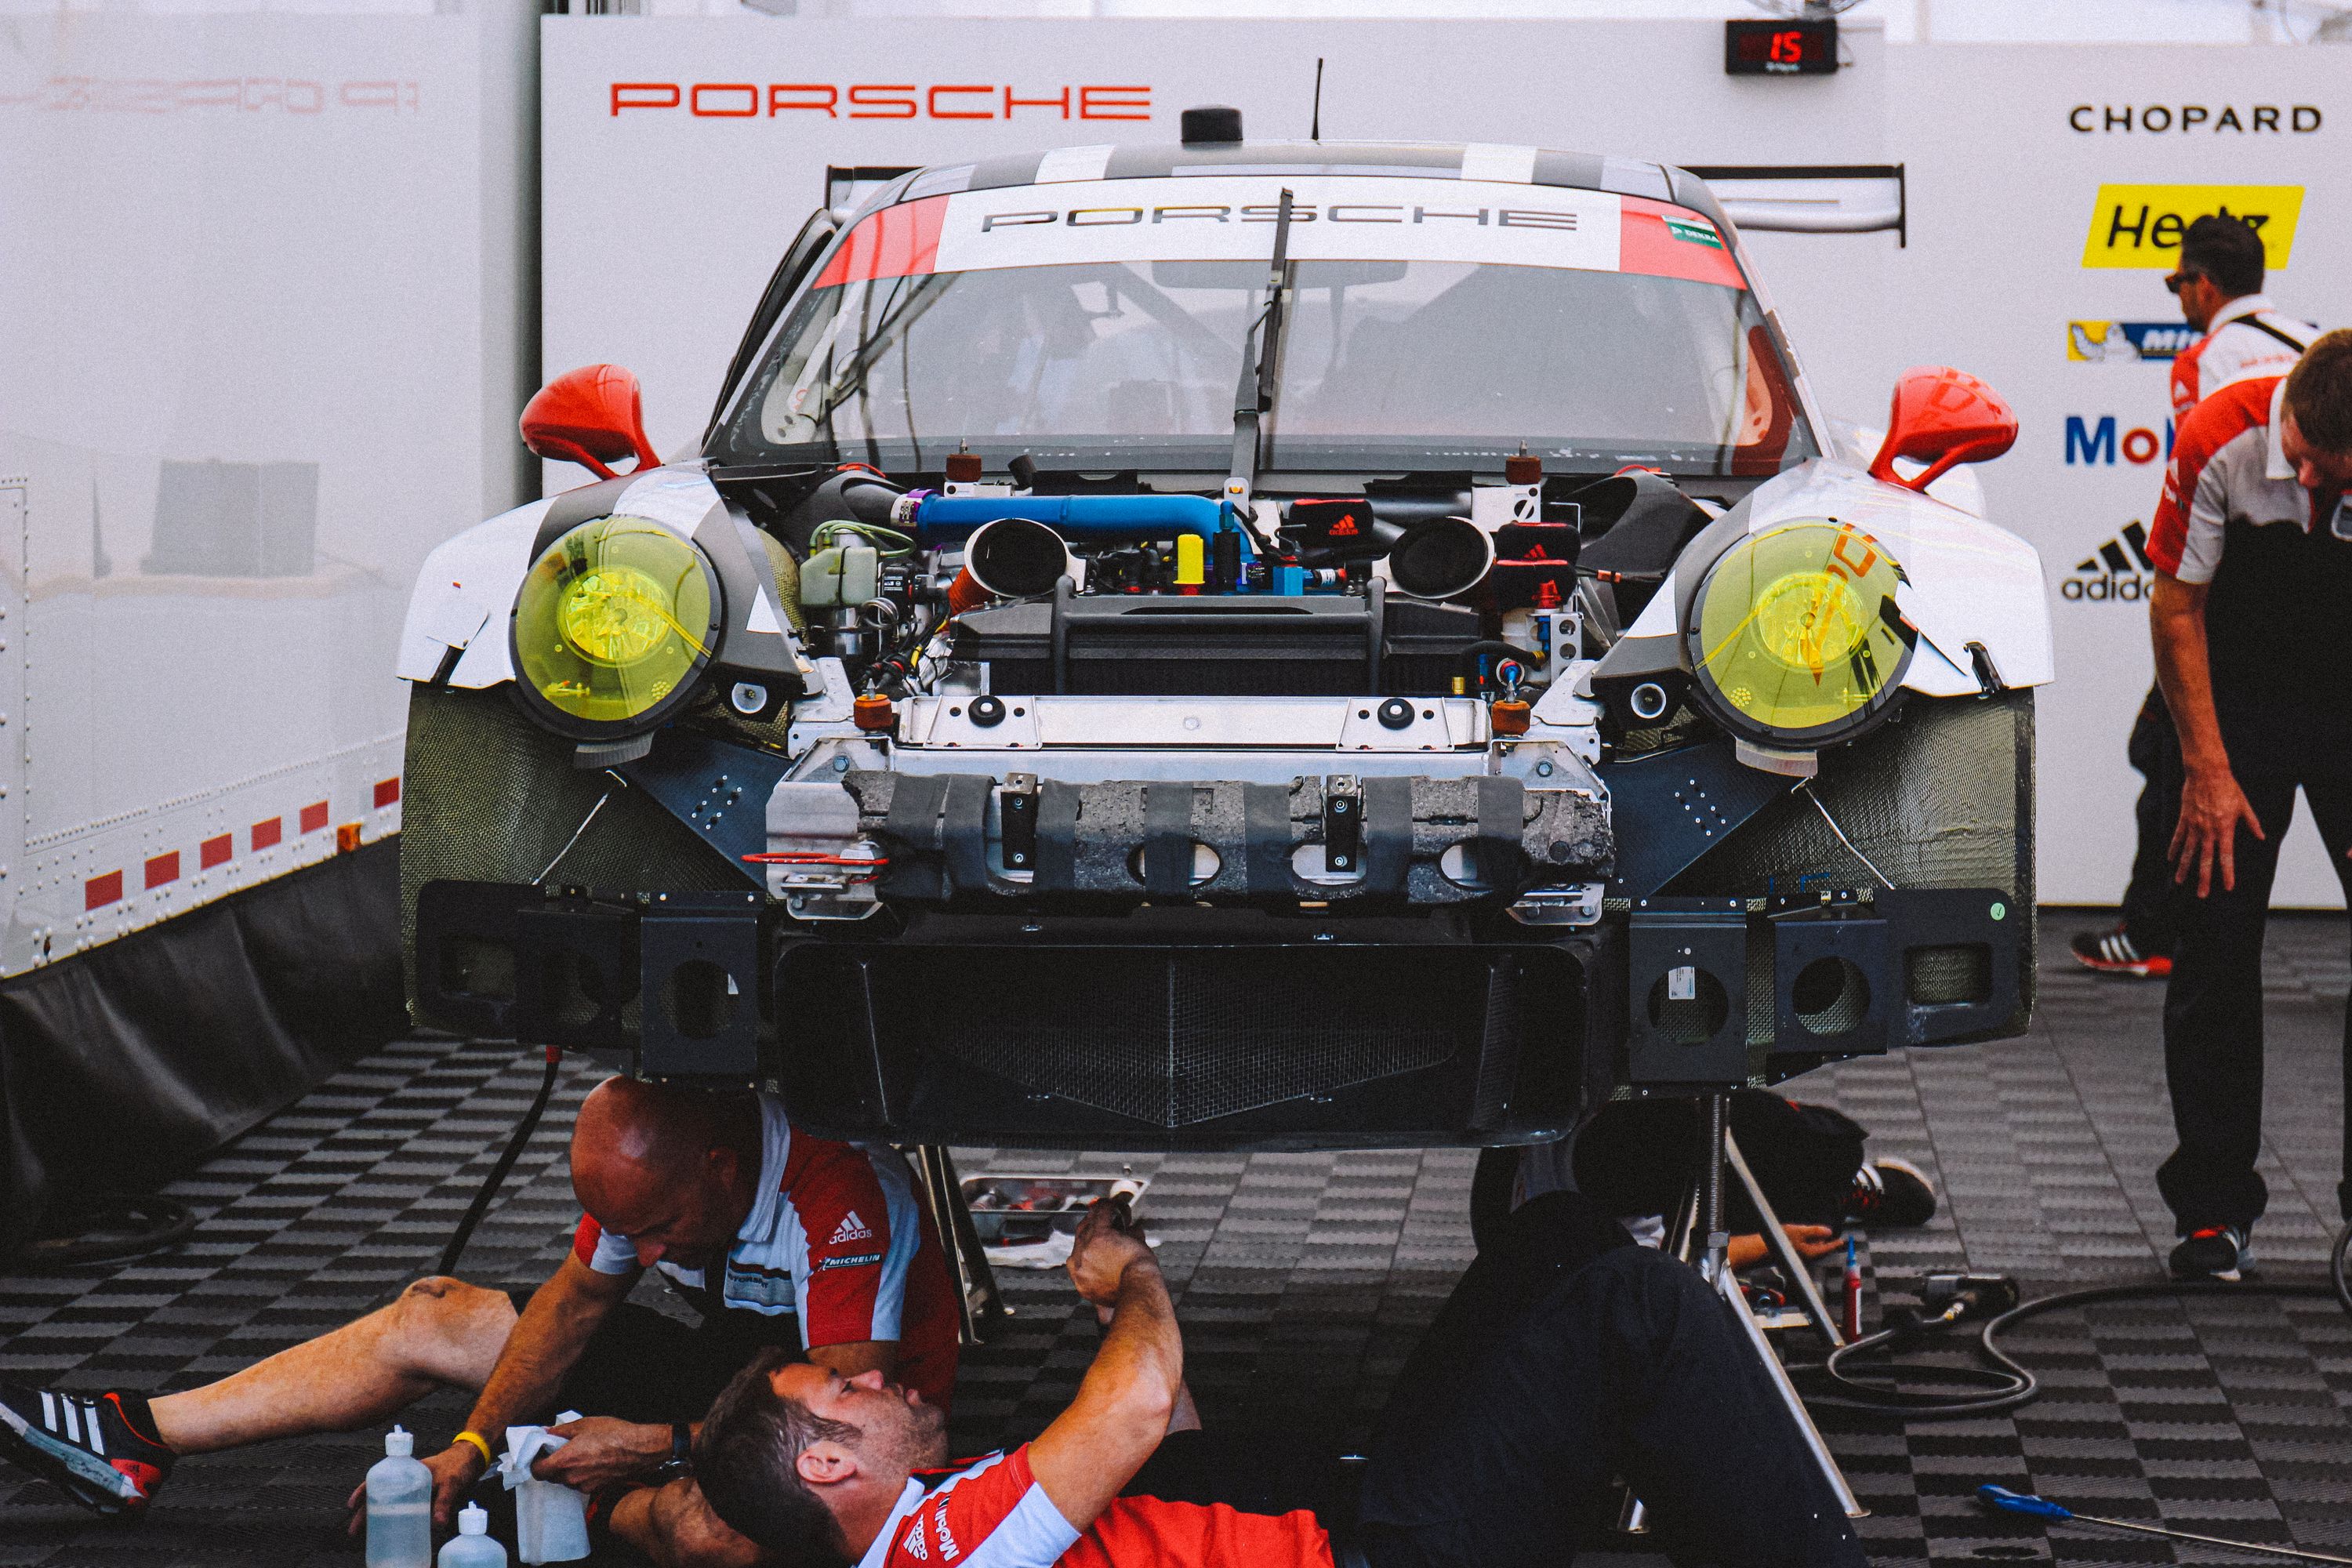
(437, 1333)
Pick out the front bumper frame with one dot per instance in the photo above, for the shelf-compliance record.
(1190, 1026)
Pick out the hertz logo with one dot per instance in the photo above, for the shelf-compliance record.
(2142, 226)
(2117, 572)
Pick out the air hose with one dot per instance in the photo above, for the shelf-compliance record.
(498, 1176)
(108, 1229)
(2007, 1385)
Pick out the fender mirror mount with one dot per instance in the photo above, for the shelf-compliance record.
(592, 416)
(1942, 416)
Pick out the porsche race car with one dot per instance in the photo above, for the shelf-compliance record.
(1237, 644)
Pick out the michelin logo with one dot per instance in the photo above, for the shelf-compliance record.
(2110, 341)
(2117, 572)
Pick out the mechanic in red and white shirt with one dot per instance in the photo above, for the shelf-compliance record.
(2252, 546)
(1566, 1356)
(2220, 286)
(781, 1241)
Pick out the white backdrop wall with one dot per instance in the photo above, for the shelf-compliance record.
(2008, 149)
(266, 310)
(2005, 195)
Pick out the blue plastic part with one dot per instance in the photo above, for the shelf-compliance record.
(1291, 580)
(1080, 517)
(2009, 1501)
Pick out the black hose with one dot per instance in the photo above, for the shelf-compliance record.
(2011, 1384)
(1492, 647)
(498, 1176)
(109, 1230)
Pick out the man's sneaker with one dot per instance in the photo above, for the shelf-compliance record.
(2114, 952)
(1892, 1193)
(88, 1448)
(2217, 1252)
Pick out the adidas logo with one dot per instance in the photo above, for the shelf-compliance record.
(851, 1228)
(2118, 572)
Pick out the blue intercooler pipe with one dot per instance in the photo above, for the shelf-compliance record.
(1082, 517)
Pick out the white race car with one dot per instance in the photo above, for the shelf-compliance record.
(1237, 644)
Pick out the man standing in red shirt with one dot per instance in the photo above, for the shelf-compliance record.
(2220, 286)
(1566, 1355)
(2252, 546)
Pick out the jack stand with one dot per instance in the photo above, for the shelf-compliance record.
(1793, 1262)
(1697, 1237)
(977, 1298)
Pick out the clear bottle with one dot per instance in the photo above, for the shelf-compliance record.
(472, 1547)
(399, 1506)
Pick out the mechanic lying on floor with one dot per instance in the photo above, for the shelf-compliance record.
(1565, 1356)
(819, 1246)
(1633, 1158)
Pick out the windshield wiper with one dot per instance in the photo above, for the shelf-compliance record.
(1261, 352)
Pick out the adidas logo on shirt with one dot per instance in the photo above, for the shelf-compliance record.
(851, 1228)
(2119, 572)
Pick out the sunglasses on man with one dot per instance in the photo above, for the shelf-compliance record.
(2175, 282)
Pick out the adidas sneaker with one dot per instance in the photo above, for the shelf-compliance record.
(2114, 952)
(1891, 1192)
(88, 1446)
(2217, 1252)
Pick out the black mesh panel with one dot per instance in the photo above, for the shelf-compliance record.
(489, 796)
(1173, 1039)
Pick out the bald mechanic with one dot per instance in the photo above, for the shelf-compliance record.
(778, 1240)
(1566, 1355)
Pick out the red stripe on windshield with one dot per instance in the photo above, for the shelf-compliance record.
(1646, 245)
(901, 241)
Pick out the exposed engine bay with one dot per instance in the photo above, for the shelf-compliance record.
(1373, 783)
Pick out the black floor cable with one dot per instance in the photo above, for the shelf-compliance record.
(108, 1230)
(498, 1176)
(2010, 1383)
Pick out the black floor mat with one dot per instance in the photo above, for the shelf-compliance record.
(1305, 1279)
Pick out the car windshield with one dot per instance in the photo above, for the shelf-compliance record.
(1430, 325)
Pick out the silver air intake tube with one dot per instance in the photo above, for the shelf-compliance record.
(1441, 559)
(1015, 558)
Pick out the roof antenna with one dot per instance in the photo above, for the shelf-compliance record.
(1315, 126)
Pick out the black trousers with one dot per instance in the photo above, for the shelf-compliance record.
(1634, 1156)
(1567, 1356)
(2213, 1005)
(643, 1365)
(2149, 898)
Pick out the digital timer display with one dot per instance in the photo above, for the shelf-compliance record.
(1781, 48)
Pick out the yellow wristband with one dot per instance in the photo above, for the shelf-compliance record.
(479, 1441)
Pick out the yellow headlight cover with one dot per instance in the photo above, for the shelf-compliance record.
(1797, 633)
(613, 620)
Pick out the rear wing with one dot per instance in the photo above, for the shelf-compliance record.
(1811, 198)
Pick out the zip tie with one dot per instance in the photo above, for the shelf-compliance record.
(576, 832)
(1807, 787)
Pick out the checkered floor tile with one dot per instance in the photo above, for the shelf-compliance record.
(1305, 1279)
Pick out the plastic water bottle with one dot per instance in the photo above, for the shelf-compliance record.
(399, 1507)
(473, 1547)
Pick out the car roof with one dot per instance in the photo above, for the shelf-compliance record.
(1421, 159)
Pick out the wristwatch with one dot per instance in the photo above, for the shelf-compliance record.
(680, 1463)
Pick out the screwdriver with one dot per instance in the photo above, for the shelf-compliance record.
(2007, 1501)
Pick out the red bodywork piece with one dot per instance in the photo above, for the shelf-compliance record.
(592, 416)
(1942, 416)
